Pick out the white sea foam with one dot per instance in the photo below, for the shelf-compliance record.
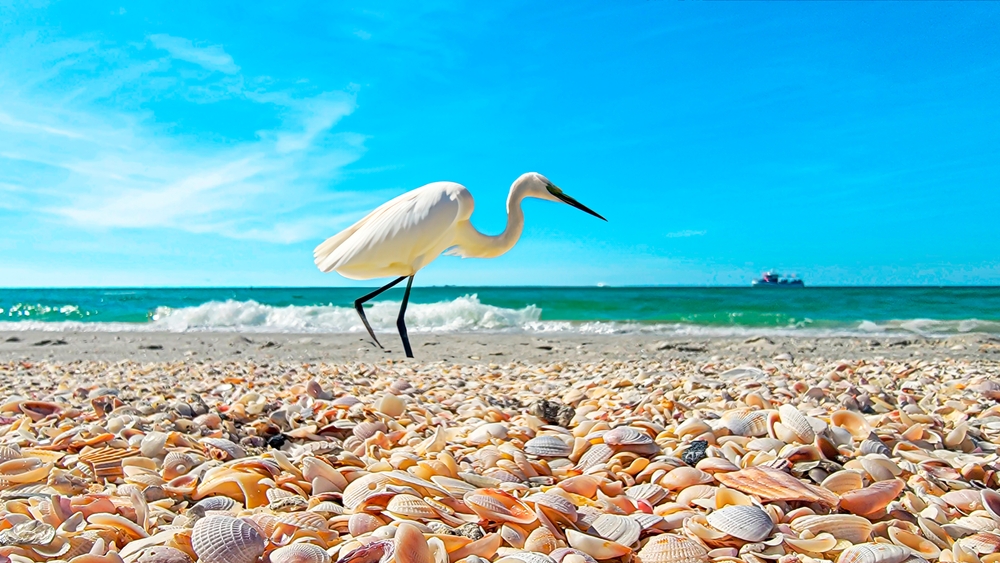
(466, 314)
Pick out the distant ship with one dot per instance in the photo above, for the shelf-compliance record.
(774, 279)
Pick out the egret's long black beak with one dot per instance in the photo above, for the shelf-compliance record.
(565, 198)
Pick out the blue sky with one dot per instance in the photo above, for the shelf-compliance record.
(193, 143)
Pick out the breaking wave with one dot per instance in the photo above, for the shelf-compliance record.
(463, 314)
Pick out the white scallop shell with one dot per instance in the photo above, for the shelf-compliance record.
(748, 523)
(547, 446)
(224, 539)
(621, 529)
(300, 553)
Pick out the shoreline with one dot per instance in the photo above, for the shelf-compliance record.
(69, 346)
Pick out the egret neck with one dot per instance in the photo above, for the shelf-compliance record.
(474, 244)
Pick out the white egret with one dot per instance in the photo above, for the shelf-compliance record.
(405, 234)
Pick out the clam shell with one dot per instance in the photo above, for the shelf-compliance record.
(547, 446)
(854, 529)
(598, 548)
(299, 553)
(871, 499)
(380, 551)
(626, 436)
(670, 548)
(982, 542)
(215, 503)
(595, 455)
(746, 422)
(163, 554)
(410, 545)
(541, 540)
(410, 506)
(363, 523)
(498, 506)
(748, 523)
(794, 420)
(843, 481)
(770, 484)
(620, 529)
(176, 464)
(224, 539)
(223, 450)
(991, 503)
(874, 553)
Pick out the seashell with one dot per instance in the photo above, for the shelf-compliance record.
(498, 506)
(163, 554)
(363, 523)
(770, 484)
(854, 529)
(562, 508)
(358, 489)
(9, 452)
(793, 419)
(874, 445)
(390, 405)
(918, 545)
(547, 446)
(223, 450)
(670, 548)
(224, 539)
(595, 455)
(412, 507)
(871, 499)
(748, 523)
(209, 504)
(541, 540)
(176, 464)
(380, 551)
(649, 492)
(853, 422)
(874, 553)
(299, 553)
(620, 529)
(843, 481)
(819, 544)
(684, 477)
(367, 429)
(410, 545)
(746, 422)
(152, 444)
(598, 548)
(626, 436)
(965, 500)
(31, 532)
(991, 503)
(982, 542)
(514, 535)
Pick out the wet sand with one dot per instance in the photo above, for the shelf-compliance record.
(474, 348)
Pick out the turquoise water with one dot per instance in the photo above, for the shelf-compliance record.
(932, 311)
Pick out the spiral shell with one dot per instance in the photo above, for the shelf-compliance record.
(300, 553)
(224, 539)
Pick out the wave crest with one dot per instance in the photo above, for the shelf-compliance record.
(464, 314)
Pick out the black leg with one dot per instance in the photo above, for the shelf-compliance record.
(401, 324)
(361, 310)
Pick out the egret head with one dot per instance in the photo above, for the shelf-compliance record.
(540, 187)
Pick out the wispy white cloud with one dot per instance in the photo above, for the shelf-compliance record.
(212, 57)
(70, 159)
(686, 233)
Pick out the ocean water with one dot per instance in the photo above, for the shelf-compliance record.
(666, 310)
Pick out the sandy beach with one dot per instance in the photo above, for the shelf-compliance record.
(66, 346)
(164, 447)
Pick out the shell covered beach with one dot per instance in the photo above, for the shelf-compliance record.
(658, 460)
